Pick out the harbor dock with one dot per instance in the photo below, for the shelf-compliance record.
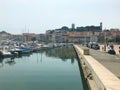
(101, 69)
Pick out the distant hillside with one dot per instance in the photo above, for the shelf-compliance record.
(4, 32)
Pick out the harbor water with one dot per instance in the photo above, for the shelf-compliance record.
(52, 69)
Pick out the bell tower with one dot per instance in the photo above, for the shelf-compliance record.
(101, 26)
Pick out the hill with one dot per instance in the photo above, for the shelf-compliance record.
(4, 32)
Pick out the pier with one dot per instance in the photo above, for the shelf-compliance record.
(101, 70)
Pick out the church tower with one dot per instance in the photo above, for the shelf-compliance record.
(73, 26)
(101, 26)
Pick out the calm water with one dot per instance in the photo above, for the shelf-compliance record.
(54, 69)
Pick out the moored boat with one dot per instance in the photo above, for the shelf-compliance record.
(5, 54)
(25, 50)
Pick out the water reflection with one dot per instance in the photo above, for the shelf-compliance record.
(64, 53)
(1, 63)
(52, 72)
(10, 62)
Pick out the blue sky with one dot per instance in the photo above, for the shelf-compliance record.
(41, 15)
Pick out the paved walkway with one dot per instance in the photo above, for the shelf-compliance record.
(111, 62)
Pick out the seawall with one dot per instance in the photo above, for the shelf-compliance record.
(98, 77)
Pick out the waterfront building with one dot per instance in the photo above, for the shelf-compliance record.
(83, 37)
(41, 37)
(57, 37)
(17, 37)
(79, 37)
(28, 36)
(65, 37)
(4, 35)
(110, 36)
(49, 35)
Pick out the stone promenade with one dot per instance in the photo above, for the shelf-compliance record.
(111, 62)
(104, 67)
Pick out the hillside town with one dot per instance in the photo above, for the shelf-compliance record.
(81, 35)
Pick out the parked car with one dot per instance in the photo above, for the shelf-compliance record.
(111, 51)
(95, 46)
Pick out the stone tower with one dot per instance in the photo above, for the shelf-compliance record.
(101, 26)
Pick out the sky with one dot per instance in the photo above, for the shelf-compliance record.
(37, 16)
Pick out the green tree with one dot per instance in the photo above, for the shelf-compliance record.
(33, 38)
(117, 39)
(110, 40)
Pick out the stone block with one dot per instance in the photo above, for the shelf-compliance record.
(86, 52)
